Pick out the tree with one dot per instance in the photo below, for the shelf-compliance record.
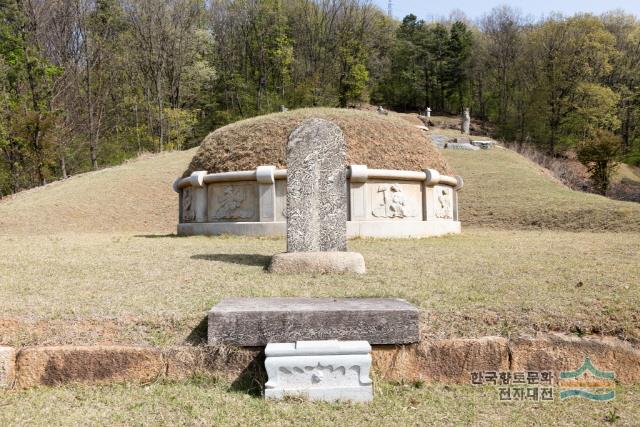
(600, 154)
(566, 54)
(502, 28)
(459, 47)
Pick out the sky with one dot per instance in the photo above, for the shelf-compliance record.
(433, 9)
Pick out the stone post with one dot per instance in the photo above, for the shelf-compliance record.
(357, 193)
(266, 193)
(199, 195)
(455, 196)
(433, 177)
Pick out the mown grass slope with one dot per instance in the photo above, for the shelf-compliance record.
(505, 190)
(135, 196)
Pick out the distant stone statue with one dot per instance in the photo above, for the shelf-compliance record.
(466, 121)
(283, 109)
(428, 113)
(381, 110)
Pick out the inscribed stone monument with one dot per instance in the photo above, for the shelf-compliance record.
(316, 188)
(317, 203)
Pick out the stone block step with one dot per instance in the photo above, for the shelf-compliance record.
(258, 321)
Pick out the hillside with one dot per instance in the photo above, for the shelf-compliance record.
(136, 196)
(505, 190)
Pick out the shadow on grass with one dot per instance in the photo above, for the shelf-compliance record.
(158, 236)
(198, 336)
(252, 379)
(242, 259)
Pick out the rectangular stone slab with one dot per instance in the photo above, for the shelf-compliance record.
(258, 321)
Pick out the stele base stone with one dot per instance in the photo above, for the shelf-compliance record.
(317, 262)
(319, 370)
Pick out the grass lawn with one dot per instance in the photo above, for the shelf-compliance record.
(93, 260)
(208, 401)
(125, 288)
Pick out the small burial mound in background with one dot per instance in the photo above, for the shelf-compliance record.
(378, 141)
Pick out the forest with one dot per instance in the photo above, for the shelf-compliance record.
(90, 83)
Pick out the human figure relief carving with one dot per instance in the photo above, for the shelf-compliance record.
(231, 202)
(394, 203)
(188, 212)
(443, 203)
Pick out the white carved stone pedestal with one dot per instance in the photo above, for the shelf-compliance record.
(319, 370)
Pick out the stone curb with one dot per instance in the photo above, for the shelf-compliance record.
(7, 366)
(444, 361)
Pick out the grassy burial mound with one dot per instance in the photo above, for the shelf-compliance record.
(505, 190)
(378, 141)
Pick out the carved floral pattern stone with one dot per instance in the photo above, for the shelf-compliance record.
(316, 188)
(393, 203)
(320, 370)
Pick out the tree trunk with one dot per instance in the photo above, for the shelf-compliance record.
(63, 166)
(626, 146)
(160, 112)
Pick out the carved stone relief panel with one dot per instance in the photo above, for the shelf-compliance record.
(395, 200)
(188, 210)
(443, 202)
(233, 202)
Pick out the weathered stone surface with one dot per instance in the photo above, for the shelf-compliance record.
(319, 370)
(7, 366)
(453, 360)
(316, 188)
(183, 362)
(258, 321)
(447, 360)
(95, 364)
(317, 262)
(565, 353)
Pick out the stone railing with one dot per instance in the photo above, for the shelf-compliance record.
(382, 202)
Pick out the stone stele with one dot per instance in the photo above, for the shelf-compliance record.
(316, 188)
(257, 321)
(317, 203)
(319, 370)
